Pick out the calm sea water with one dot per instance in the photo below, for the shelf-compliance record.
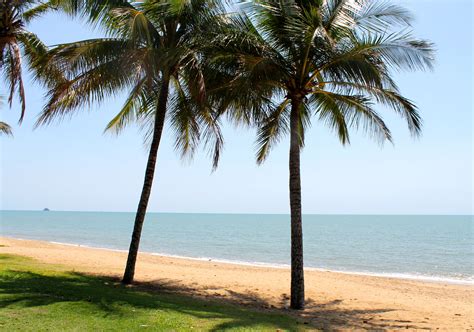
(426, 247)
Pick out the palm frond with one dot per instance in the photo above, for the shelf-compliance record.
(212, 135)
(138, 101)
(5, 129)
(13, 70)
(329, 111)
(271, 129)
(39, 10)
(183, 118)
(354, 111)
(88, 88)
(388, 97)
(381, 16)
(339, 14)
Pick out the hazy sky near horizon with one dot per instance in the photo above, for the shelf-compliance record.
(74, 166)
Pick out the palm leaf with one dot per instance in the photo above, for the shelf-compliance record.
(271, 130)
(5, 129)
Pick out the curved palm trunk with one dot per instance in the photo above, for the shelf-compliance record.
(148, 182)
(297, 273)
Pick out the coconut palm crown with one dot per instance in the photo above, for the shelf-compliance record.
(291, 62)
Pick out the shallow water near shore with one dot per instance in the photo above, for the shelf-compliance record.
(436, 248)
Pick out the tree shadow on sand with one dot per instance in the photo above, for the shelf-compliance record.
(320, 315)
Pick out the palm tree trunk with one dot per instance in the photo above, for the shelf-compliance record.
(147, 184)
(297, 273)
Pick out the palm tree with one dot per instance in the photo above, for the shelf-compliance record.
(15, 40)
(330, 60)
(154, 52)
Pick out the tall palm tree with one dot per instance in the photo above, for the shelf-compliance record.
(15, 39)
(153, 52)
(331, 60)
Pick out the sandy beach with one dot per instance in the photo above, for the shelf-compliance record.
(335, 300)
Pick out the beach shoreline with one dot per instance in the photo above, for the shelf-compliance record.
(339, 300)
(402, 276)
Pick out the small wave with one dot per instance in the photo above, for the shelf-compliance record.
(406, 276)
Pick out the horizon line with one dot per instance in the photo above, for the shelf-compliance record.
(256, 213)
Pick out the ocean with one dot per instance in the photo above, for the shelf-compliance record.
(432, 248)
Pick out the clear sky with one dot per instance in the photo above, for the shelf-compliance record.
(74, 166)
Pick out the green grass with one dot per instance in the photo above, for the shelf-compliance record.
(40, 297)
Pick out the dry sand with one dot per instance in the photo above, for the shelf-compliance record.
(334, 300)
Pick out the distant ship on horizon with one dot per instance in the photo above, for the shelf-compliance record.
(46, 209)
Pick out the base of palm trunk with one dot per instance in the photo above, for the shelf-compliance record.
(297, 296)
(297, 306)
(127, 281)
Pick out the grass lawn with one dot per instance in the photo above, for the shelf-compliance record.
(39, 297)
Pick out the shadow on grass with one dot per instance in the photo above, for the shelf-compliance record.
(19, 287)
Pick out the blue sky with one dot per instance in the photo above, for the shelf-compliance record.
(74, 166)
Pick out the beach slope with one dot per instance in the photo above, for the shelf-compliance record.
(335, 300)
